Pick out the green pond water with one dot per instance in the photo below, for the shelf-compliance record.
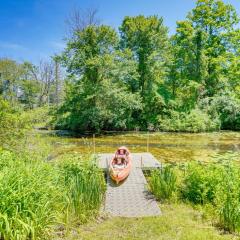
(166, 147)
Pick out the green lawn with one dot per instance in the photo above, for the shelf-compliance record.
(179, 221)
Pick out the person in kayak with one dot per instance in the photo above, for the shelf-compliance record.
(120, 162)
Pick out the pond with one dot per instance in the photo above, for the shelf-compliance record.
(166, 147)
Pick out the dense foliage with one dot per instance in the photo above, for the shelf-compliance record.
(144, 79)
(12, 125)
(138, 77)
(95, 96)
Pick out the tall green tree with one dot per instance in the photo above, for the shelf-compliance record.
(10, 77)
(147, 38)
(147, 79)
(202, 44)
(29, 87)
(97, 96)
(214, 20)
(206, 61)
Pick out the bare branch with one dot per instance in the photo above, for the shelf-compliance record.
(79, 19)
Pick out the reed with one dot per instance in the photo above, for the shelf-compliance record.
(201, 181)
(35, 196)
(228, 199)
(229, 213)
(215, 184)
(85, 186)
(163, 183)
(27, 201)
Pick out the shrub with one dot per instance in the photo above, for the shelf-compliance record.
(200, 183)
(12, 125)
(214, 184)
(195, 121)
(37, 116)
(199, 121)
(227, 105)
(217, 184)
(163, 183)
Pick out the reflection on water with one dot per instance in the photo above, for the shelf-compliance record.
(166, 147)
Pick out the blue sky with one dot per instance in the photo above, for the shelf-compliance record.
(34, 29)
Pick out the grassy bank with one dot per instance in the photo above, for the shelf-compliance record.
(178, 222)
(60, 199)
(198, 201)
(213, 187)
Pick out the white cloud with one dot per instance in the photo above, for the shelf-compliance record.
(12, 46)
(57, 45)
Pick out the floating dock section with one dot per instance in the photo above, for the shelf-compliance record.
(131, 198)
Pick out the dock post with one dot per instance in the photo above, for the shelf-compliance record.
(106, 163)
(148, 142)
(94, 147)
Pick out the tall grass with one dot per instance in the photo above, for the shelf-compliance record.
(27, 200)
(228, 199)
(229, 212)
(162, 183)
(85, 186)
(35, 195)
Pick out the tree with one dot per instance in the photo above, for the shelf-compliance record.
(206, 60)
(10, 75)
(30, 87)
(147, 38)
(57, 90)
(202, 44)
(28, 84)
(96, 96)
(144, 79)
(44, 75)
(57, 82)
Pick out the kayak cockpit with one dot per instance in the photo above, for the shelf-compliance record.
(120, 165)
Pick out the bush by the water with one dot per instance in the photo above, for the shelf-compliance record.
(35, 196)
(12, 125)
(200, 182)
(217, 184)
(195, 121)
(228, 107)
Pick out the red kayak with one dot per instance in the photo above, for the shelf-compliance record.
(120, 165)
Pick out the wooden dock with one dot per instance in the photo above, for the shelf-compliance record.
(131, 198)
